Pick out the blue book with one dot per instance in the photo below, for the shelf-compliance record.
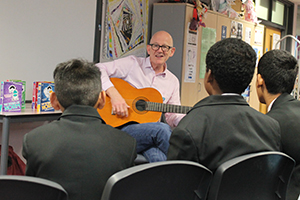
(43, 96)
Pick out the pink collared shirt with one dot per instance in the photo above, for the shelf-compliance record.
(138, 72)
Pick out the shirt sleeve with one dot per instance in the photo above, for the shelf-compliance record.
(174, 118)
(118, 68)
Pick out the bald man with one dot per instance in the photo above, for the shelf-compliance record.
(152, 138)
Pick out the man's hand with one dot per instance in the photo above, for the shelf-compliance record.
(119, 105)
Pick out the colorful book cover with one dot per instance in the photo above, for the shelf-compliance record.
(11, 95)
(23, 91)
(35, 92)
(43, 96)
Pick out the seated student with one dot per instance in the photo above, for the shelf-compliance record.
(277, 71)
(223, 125)
(78, 151)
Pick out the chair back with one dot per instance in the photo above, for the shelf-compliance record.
(176, 180)
(262, 175)
(30, 188)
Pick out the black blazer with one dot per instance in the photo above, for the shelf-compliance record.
(78, 151)
(219, 128)
(286, 110)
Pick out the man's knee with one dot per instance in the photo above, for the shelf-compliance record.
(165, 129)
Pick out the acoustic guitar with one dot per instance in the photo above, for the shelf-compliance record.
(146, 105)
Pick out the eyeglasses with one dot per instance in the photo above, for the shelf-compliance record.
(164, 48)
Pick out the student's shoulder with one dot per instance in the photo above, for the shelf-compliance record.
(44, 129)
(115, 132)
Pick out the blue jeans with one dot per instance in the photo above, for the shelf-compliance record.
(152, 139)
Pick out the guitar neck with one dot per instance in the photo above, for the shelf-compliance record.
(161, 107)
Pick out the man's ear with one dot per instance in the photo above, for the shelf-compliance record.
(54, 101)
(148, 49)
(172, 51)
(101, 100)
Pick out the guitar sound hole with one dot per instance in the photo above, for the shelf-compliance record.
(140, 105)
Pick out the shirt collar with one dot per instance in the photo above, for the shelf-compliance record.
(271, 104)
(230, 94)
(148, 65)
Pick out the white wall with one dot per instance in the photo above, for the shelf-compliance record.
(35, 35)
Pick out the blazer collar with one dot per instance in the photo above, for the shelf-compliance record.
(284, 97)
(80, 110)
(221, 100)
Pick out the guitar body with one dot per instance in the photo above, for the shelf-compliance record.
(134, 98)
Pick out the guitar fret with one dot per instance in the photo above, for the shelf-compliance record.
(160, 107)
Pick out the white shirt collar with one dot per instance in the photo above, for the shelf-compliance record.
(271, 104)
(230, 94)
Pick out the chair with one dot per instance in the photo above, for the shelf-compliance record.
(262, 175)
(30, 188)
(176, 180)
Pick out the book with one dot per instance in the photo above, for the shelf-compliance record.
(11, 96)
(43, 96)
(23, 91)
(35, 92)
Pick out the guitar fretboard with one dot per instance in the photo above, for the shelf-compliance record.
(161, 107)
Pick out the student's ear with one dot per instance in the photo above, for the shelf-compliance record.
(260, 81)
(54, 101)
(101, 100)
(261, 89)
(209, 77)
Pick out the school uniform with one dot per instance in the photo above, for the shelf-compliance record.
(221, 127)
(78, 151)
(286, 110)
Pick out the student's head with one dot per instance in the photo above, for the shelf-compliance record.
(230, 65)
(77, 82)
(276, 72)
(159, 55)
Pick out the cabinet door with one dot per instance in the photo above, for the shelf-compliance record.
(189, 88)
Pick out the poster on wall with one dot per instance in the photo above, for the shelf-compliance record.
(248, 35)
(124, 30)
(276, 38)
(236, 30)
(191, 57)
(258, 37)
(259, 52)
(209, 37)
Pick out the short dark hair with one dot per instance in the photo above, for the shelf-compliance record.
(77, 81)
(279, 70)
(232, 63)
